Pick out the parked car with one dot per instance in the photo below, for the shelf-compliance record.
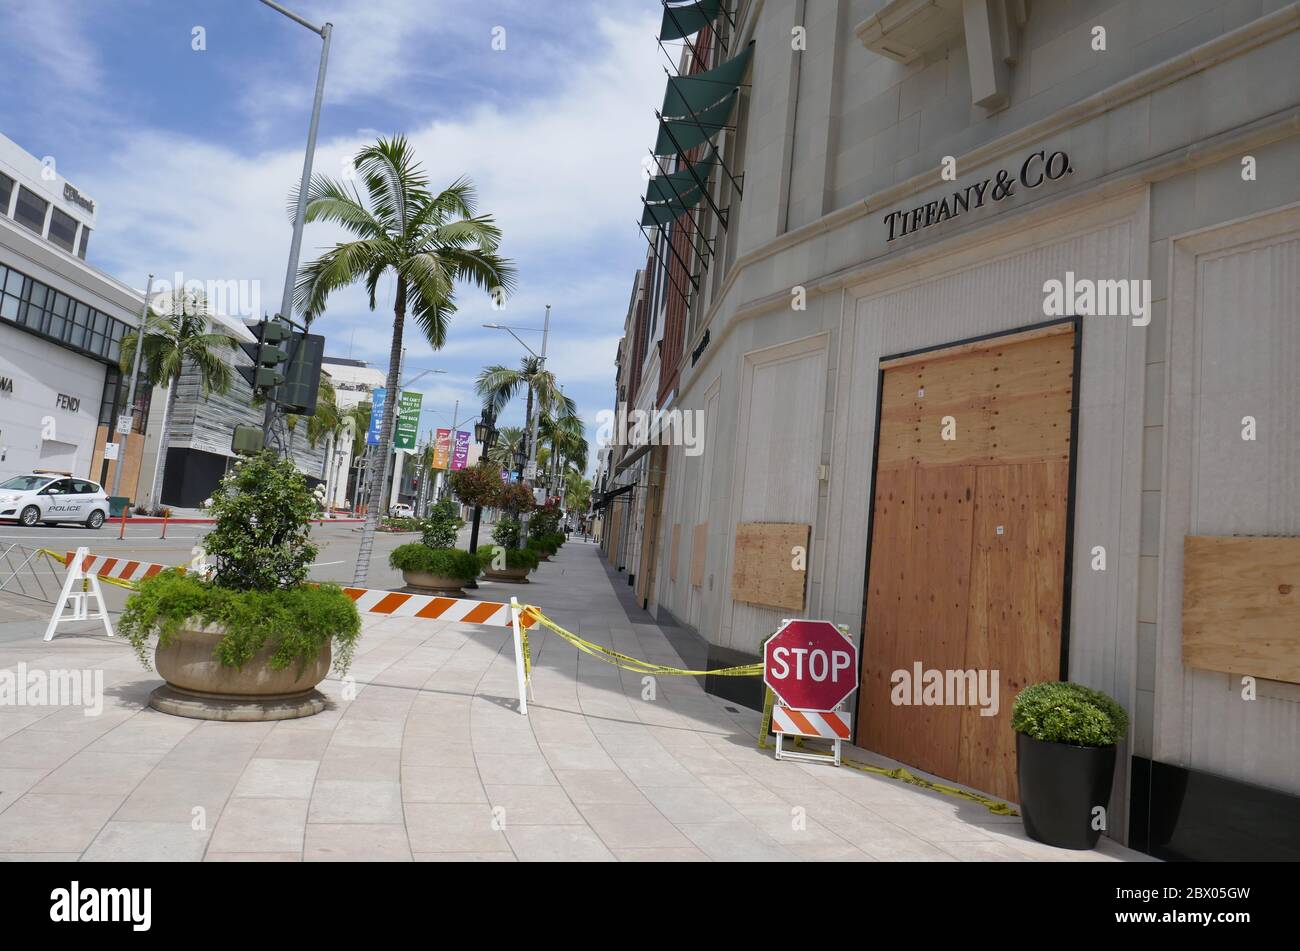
(401, 510)
(50, 498)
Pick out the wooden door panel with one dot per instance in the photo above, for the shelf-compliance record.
(891, 603)
(945, 588)
(1016, 608)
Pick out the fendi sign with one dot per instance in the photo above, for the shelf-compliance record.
(1038, 168)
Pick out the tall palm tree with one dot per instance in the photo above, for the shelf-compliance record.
(428, 242)
(577, 492)
(498, 385)
(178, 332)
(568, 443)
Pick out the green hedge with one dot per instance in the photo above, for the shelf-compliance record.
(297, 622)
(1069, 713)
(515, 557)
(447, 562)
(545, 544)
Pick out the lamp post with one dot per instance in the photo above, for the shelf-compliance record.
(299, 215)
(537, 407)
(486, 434)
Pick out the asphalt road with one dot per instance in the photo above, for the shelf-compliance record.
(335, 560)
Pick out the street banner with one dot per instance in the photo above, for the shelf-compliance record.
(408, 421)
(461, 454)
(377, 396)
(442, 449)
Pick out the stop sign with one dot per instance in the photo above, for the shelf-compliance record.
(810, 665)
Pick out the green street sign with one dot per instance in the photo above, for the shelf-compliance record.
(408, 421)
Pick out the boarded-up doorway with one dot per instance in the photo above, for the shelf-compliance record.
(969, 550)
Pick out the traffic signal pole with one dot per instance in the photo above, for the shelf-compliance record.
(295, 246)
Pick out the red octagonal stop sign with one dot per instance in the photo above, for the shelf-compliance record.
(810, 665)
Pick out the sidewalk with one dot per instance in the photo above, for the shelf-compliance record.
(431, 761)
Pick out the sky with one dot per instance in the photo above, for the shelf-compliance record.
(190, 154)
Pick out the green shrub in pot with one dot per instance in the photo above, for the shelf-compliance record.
(1066, 735)
(249, 624)
(443, 562)
(514, 558)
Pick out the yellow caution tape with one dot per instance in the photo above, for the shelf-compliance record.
(633, 664)
(997, 807)
(63, 559)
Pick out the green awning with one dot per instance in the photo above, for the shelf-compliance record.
(670, 196)
(677, 184)
(698, 91)
(684, 134)
(685, 19)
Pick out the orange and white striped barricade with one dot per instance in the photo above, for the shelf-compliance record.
(820, 724)
(77, 601)
(111, 569)
(461, 610)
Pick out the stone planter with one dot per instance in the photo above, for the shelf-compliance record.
(438, 584)
(200, 686)
(512, 575)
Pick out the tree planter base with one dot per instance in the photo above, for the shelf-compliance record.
(1060, 787)
(200, 687)
(199, 706)
(508, 575)
(434, 584)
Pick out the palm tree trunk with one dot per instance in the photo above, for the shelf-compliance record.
(164, 438)
(380, 471)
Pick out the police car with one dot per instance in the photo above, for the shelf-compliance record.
(50, 498)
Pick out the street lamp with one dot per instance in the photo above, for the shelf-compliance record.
(537, 408)
(299, 215)
(485, 433)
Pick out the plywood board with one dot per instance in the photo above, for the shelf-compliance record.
(1241, 605)
(770, 564)
(672, 551)
(1014, 625)
(1007, 403)
(699, 544)
(967, 551)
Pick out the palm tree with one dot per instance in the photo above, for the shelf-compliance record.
(427, 241)
(568, 444)
(498, 385)
(577, 492)
(178, 332)
(509, 440)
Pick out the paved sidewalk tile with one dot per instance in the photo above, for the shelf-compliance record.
(428, 760)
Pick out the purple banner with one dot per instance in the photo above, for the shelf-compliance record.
(460, 456)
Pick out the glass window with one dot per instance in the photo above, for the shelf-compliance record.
(6, 189)
(119, 329)
(85, 238)
(63, 230)
(25, 483)
(74, 334)
(14, 283)
(9, 307)
(55, 329)
(30, 210)
(83, 315)
(115, 351)
(60, 305)
(85, 488)
(36, 293)
(101, 320)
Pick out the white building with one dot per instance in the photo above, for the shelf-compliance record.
(61, 326)
(353, 382)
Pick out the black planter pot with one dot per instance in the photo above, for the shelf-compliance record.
(1060, 785)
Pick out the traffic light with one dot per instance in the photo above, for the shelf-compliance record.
(302, 373)
(267, 354)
